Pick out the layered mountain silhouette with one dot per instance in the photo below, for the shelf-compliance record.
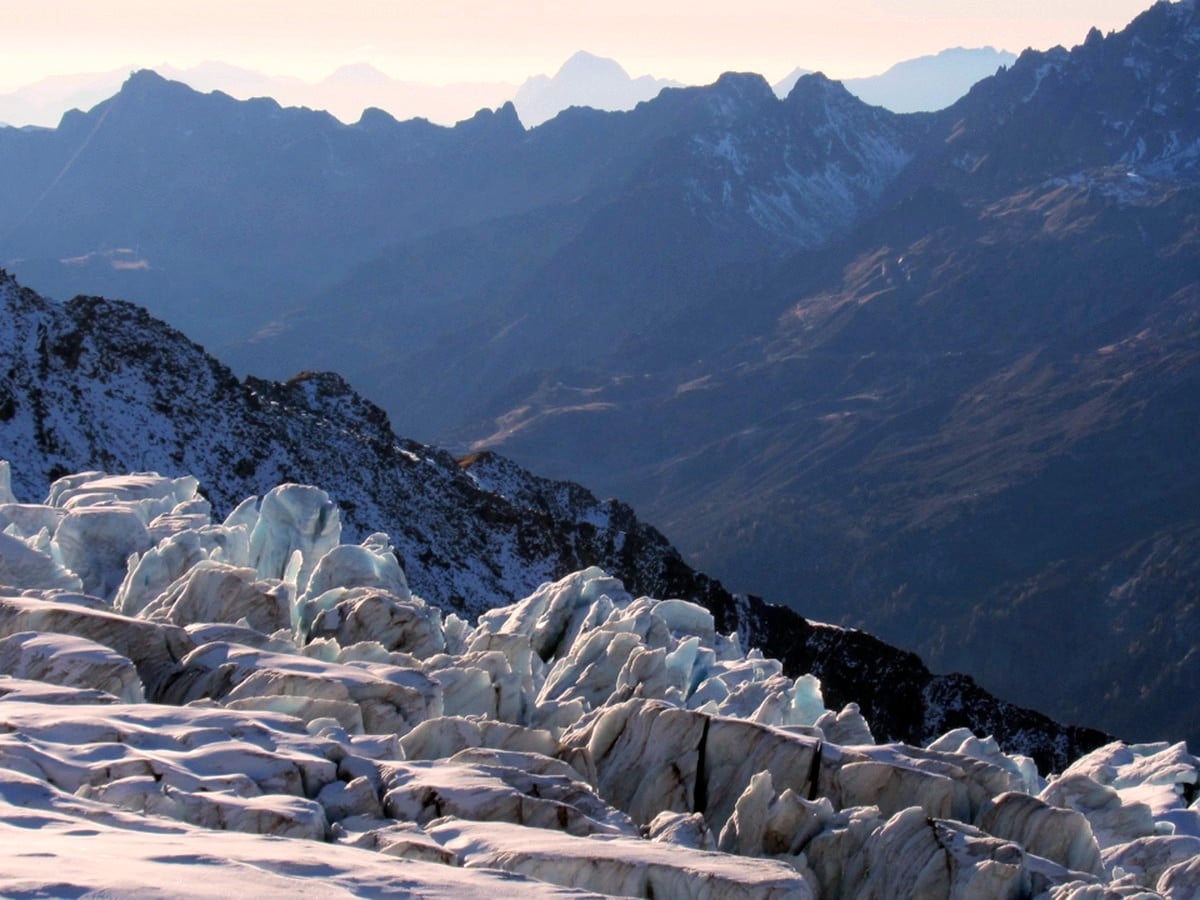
(584, 80)
(345, 92)
(923, 84)
(931, 373)
(928, 82)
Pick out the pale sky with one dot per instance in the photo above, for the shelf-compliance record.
(443, 41)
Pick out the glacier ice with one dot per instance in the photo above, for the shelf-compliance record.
(172, 557)
(95, 542)
(28, 520)
(919, 856)
(686, 829)
(23, 566)
(169, 678)
(619, 866)
(370, 564)
(154, 649)
(293, 519)
(1063, 836)
(444, 736)
(148, 491)
(499, 787)
(101, 850)
(70, 661)
(217, 592)
(352, 615)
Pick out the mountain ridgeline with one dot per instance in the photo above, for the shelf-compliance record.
(934, 373)
(923, 84)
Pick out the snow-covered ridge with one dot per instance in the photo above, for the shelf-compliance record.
(282, 704)
(96, 383)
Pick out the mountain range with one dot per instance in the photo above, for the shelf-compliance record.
(932, 373)
(925, 83)
(584, 80)
(346, 92)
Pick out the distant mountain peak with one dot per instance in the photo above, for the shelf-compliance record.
(359, 73)
(147, 85)
(747, 87)
(818, 88)
(588, 65)
(930, 83)
(784, 86)
(584, 80)
(142, 79)
(146, 76)
(499, 121)
(922, 84)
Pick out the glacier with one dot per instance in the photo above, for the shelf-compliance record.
(257, 703)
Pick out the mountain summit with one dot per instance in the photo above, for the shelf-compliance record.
(584, 80)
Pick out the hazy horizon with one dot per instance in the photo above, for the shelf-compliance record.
(467, 41)
(356, 86)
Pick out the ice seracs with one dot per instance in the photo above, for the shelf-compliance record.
(253, 683)
(70, 661)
